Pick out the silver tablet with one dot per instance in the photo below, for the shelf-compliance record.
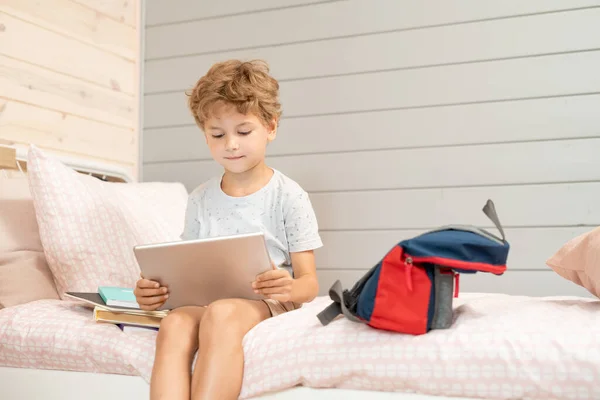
(198, 272)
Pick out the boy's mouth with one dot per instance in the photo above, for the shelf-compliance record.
(234, 158)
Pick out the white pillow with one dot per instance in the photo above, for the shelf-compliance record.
(88, 227)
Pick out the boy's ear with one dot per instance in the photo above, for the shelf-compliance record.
(273, 129)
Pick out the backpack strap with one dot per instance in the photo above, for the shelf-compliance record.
(490, 211)
(337, 307)
(344, 301)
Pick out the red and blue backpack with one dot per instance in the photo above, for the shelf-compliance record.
(411, 289)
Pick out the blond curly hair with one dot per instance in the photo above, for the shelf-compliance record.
(247, 85)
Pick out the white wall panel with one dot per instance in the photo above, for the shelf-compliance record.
(400, 116)
(448, 44)
(161, 12)
(333, 19)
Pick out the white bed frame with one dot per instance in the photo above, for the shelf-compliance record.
(35, 384)
(85, 166)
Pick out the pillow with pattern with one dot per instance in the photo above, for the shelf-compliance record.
(88, 227)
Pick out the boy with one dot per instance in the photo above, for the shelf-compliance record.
(236, 106)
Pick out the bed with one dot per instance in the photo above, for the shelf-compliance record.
(498, 347)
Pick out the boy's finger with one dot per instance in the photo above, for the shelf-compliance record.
(273, 274)
(271, 283)
(150, 292)
(147, 284)
(152, 300)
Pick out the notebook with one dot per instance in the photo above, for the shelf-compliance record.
(94, 300)
(118, 296)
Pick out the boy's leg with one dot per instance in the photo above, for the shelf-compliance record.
(176, 345)
(220, 364)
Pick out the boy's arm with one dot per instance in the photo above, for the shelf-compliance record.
(301, 225)
(305, 286)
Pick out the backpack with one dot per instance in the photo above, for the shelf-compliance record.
(411, 289)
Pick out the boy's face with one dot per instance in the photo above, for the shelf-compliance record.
(236, 141)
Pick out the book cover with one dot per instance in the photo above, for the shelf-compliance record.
(118, 296)
(125, 318)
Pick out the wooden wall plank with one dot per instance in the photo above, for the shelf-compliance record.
(498, 80)
(539, 119)
(67, 133)
(176, 144)
(162, 12)
(359, 17)
(492, 39)
(519, 283)
(530, 247)
(77, 22)
(569, 204)
(534, 162)
(124, 11)
(428, 87)
(33, 85)
(493, 164)
(68, 56)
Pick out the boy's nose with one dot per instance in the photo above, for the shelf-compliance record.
(231, 144)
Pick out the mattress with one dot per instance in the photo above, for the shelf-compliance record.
(67, 385)
(499, 347)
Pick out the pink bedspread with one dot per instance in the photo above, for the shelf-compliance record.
(500, 347)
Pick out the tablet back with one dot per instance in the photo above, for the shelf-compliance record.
(198, 272)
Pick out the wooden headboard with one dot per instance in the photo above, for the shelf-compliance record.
(15, 159)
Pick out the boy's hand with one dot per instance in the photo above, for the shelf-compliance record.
(275, 284)
(149, 295)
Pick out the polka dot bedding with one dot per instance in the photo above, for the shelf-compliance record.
(499, 347)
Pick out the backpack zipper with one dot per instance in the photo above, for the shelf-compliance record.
(408, 262)
(466, 228)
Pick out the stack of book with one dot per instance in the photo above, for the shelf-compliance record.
(118, 306)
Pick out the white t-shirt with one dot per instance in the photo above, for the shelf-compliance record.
(281, 210)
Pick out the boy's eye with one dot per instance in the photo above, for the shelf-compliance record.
(218, 136)
(245, 133)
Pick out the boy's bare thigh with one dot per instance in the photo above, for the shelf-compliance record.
(257, 310)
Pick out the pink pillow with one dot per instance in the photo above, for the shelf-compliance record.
(24, 273)
(88, 227)
(579, 261)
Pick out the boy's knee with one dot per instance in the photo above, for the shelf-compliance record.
(180, 328)
(230, 318)
(225, 319)
(220, 315)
